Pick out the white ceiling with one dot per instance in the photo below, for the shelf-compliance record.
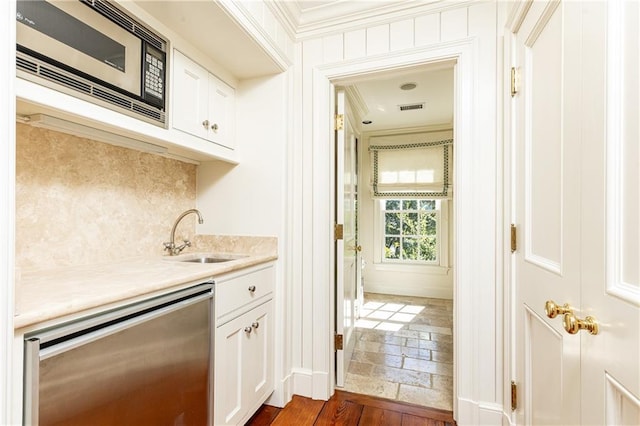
(380, 98)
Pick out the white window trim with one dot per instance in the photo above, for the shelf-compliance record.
(442, 235)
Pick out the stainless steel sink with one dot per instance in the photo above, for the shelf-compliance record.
(204, 258)
(207, 260)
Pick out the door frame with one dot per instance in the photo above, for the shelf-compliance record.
(340, 247)
(477, 308)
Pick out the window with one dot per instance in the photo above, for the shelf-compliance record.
(411, 230)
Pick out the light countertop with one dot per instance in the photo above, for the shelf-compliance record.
(48, 294)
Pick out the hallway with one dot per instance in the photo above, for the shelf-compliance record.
(404, 350)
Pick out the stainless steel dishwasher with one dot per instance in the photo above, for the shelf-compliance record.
(148, 363)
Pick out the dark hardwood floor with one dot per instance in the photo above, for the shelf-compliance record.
(350, 409)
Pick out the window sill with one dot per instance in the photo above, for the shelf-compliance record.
(423, 269)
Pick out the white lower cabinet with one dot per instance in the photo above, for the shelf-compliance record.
(244, 375)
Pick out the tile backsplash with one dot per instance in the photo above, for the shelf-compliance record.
(80, 202)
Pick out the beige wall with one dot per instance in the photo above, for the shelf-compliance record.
(80, 202)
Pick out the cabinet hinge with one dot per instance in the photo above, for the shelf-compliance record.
(514, 241)
(514, 396)
(515, 81)
(338, 231)
(339, 121)
(338, 342)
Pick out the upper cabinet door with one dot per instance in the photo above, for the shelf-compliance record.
(202, 105)
(190, 104)
(221, 112)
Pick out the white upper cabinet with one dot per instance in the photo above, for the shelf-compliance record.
(202, 105)
(200, 108)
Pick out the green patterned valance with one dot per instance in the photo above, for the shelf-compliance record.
(413, 170)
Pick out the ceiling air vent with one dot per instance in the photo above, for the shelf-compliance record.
(409, 107)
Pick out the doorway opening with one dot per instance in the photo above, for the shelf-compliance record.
(401, 346)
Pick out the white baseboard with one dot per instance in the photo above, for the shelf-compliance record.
(310, 384)
(282, 393)
(478, 413)
(437, 293)
(302, 382)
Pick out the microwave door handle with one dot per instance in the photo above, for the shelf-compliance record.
(31, 379)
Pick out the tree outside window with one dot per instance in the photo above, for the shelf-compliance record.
(411, 230)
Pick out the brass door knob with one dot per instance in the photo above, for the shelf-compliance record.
(553, 310)
(573, 324)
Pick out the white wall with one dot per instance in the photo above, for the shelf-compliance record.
(251, 198)
(468, 32)
(9, 412)
(389, 278)
(248, 198)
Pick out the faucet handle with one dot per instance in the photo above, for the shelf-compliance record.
(177, 250)
(168, 245)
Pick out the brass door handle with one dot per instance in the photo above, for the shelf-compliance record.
(553, 310)
(573, 324)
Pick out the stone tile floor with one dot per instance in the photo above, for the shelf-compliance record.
(404, 350)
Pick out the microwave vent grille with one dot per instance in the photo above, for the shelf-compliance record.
(32, 66)
(112, 97)
(153, 114)
(126, 22)
(26, 65)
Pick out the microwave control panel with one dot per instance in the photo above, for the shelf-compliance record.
(154, 75)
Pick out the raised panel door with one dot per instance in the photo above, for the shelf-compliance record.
(577, 208)
(547, 262)
(221, 113)
(190, 96)
(258, 352)
(230, 347)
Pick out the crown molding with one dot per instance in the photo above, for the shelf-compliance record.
(358, 104)
(342, 16)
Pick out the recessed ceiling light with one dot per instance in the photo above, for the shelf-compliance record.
(408, 86)
(367, 122)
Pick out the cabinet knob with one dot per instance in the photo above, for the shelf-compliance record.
(255, 324)
(252, 288)
(248, 330)
(205, 124)
(214, 127)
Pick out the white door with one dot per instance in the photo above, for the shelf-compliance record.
(560, 205)
(611, 213)
(346, 249)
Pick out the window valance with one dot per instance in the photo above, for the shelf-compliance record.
(414, 170)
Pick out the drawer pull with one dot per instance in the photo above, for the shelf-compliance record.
(248, 330)
(252, 288)
(255, 324)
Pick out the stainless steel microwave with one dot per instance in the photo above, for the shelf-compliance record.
(94, 50)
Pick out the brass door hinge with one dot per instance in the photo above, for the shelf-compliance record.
(514, 241)
(514, 396)
(338, 342)
(515, 81)
(338, 231)
(339, 121)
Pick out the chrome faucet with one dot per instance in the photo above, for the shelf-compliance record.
(171, 245)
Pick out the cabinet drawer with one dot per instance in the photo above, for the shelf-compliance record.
(236, 292)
